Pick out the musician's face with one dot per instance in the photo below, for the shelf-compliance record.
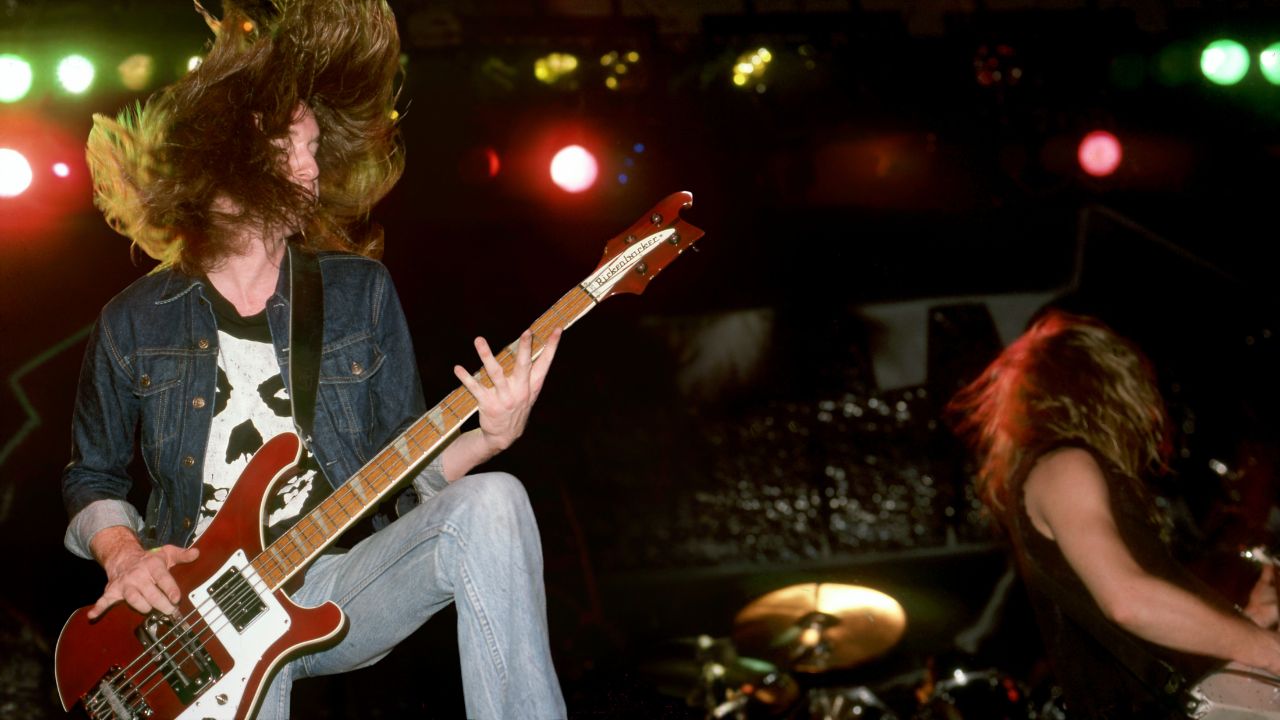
(301, 147)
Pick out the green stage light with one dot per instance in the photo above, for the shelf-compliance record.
(1224, 62)
(15, 78)
(1269, 63)
(75, 72)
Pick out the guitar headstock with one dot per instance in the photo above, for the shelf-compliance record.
(636, 255)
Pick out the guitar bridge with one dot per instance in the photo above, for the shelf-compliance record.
(178, 655)
(115, 698)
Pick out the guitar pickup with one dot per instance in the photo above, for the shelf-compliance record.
(236, 598)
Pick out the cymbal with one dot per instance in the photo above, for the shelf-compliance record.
(814, 627)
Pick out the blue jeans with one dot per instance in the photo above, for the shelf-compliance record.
(474, 543)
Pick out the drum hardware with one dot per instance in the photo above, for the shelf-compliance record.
(969, 694)
(798, 642)
(709, 674)
(851, 703)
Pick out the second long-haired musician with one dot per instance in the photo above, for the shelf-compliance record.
(1067, 426)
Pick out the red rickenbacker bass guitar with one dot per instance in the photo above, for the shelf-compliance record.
(235, 624)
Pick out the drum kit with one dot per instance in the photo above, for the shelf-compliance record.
(793, 650)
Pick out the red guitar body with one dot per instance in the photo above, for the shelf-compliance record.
(124, 665)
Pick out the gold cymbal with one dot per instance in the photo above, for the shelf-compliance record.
(814, 627)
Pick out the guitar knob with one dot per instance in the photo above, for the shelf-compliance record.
(642, 268)
(656, 219)
(222, 698)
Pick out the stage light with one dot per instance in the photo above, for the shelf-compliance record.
(997, 65)
(552, 68)
(136, 71)
(574, 169)
(1100, 153)
(61, 169)
(1269, 63)
(1224, 62)
(75, 73)
(619, 73)
(15, 78)
(193, 62)
(15, 173)
(750, 68)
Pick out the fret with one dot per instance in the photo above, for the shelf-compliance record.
(356, 489)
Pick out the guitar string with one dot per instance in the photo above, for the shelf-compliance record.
(185, 639)
(505, 360)
(380, 473)
(274, 558)
(556, 314)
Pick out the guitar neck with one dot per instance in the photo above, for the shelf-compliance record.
(423, 440)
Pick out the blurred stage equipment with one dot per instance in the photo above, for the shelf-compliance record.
(800, 644)
(709, 674)
(815, 627)
(971, 694)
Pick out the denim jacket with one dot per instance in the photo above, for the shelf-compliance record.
(151, 365)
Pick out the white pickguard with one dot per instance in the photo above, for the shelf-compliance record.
(246, 648)
(1237, 692)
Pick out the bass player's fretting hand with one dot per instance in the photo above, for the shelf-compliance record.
(503, 408)
(138, 576)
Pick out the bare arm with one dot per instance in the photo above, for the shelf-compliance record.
(504, 408)
(135, 575)
(1068, 502)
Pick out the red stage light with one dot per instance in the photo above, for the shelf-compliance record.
(574, 169)
(495, 165)
(61, 169)
(15, 173)
(1100, 153)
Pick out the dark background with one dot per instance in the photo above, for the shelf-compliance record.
(761, 416)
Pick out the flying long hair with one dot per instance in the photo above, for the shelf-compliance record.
(1067, 379)
(205, 156)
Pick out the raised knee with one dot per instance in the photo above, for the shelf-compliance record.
(497, 492)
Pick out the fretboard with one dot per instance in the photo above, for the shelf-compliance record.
(422, 441)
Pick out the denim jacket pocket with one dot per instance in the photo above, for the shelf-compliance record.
(346, 371)
(157, 382)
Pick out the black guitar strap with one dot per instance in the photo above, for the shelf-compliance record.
(306, 335)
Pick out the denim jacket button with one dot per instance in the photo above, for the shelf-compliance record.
(357, 368)
(197, 402)
(145, 381)
(186, 523)
(203, 344)
(188, 461)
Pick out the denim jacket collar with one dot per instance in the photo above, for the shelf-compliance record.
(179, 283)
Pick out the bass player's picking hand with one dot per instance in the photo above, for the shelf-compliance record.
(141, 578)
